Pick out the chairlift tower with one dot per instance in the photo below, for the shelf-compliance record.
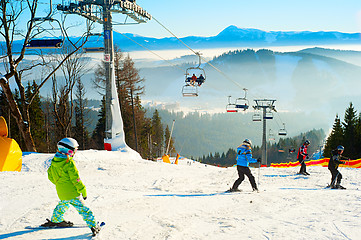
(100, 11)
(267, 106)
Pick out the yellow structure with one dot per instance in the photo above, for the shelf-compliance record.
(166, 159)
(10, 152)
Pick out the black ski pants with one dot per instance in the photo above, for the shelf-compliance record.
(241, 172)
(336, 177)
(303, 165)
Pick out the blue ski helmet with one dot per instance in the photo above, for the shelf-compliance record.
(68, 146)
(340, 148)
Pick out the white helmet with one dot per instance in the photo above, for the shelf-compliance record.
(68, 146)
(247, 141)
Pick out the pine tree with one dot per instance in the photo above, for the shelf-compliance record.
(358, 136)
(37, 117)
(349, 126)
(137, 128)
(171, 148)
(335, 138)
(80, 132)
(157, 135)
(99, 131)
(130, 87)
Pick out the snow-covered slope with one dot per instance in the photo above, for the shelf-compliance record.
(140, 199)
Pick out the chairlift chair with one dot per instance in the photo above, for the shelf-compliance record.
(231, 107)
(198, 72)
(94, 49)
(46, 42)
(242, 102)
(190, 91)
(269, 115)
(271, 136)
(282, 131)
(257, 117)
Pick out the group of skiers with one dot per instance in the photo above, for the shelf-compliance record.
(244, 157)
(335, 160)
(64, 174)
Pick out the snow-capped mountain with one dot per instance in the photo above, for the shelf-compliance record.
(231, 36)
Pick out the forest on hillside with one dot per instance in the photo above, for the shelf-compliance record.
(66, 112)
(197, 135)
(346, 133)
(285, 150)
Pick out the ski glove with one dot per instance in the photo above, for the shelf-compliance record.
(83, 193)
(258, 160)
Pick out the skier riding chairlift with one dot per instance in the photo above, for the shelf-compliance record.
(194, 81)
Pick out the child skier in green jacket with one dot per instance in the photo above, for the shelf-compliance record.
(64, 174)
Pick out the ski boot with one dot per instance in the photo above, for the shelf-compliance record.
(234, 190)
(48, 224)
(338, 186)
(255, 190)
(63, 224)
(95, 230)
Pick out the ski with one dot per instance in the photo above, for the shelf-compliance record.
(40, 227)
(241, 191)
(233, 191)
(96, 234)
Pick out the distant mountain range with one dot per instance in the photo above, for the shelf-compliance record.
(231, 36)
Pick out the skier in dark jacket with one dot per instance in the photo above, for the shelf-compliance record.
(244, 157)
(302, 156)
(335, 160)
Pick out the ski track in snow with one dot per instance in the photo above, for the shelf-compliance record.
(140, 199)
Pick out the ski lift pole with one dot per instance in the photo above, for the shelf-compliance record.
(170, 137)
(199, 59)
(259, 172)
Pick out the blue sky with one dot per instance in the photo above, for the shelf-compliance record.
(209, 17)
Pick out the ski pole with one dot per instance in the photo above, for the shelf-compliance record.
(259, 172)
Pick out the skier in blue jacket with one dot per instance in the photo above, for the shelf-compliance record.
(244, 157)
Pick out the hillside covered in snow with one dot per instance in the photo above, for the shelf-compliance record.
(140, 199)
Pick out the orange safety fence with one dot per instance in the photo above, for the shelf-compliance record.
(319, 162)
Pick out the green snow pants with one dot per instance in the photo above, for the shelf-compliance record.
(84, 211)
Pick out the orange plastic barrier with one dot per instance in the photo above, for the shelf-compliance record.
(10, 152)
(319, 162)
(166, 159)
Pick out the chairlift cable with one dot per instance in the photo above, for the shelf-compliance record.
(197, 53)
(172, 64)
(149, 50)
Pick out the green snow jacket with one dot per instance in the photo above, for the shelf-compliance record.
(64, 174)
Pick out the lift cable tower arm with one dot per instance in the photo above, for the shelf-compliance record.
(267, 106)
